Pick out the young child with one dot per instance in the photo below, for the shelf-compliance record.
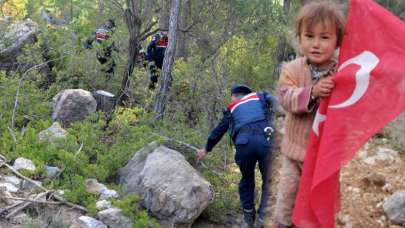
(303, 82)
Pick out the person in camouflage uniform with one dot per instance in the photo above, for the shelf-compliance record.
(105, 47)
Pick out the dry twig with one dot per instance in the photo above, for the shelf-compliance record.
(56, 197)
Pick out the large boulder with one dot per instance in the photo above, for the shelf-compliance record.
(170, 188)
(72, 105)
(394, 207)
(14, 39)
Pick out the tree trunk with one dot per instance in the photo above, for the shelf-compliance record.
(164, 15)
(105, 102)
(160, 104)
(133, 24)
(183, 37)
(30, 9)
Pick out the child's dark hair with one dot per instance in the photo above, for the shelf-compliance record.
(320, 11)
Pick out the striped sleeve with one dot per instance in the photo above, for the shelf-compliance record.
(293, 98)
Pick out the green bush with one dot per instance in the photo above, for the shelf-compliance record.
(131, 208)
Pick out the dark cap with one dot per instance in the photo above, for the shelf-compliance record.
(240, 89)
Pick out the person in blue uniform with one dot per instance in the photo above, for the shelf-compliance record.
(248, 119)
(155, 55)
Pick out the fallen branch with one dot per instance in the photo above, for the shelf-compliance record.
(24, 177)
(25, 205)
(32, 200)
(3, 159)
(195, 149)
(178, 141)
(56, 197)
(72, 205)
(4, 211)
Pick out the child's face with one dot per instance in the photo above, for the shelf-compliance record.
(318, 42)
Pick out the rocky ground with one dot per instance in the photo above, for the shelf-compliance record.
(366, 184)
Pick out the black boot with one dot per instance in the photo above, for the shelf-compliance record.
(249, 216)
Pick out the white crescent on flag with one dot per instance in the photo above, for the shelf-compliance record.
(367, 62)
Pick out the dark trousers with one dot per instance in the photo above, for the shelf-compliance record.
(251, 148)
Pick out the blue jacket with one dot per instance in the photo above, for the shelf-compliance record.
(156, 49)
(255, 107)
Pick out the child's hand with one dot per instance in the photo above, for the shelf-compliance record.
(323, 88)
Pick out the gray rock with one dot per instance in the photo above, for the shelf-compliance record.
(8, 187)
(73, 105)
(54, 132)
(168, 185)
(94, 187)
(27, 185)
(23, 163)
(103, 205)
(375, 179)
(13, 180)
(382, 155)
(113, 217)
(394, 207)
(51, 171)
(108, 194)
(89, 222)
(14, 39)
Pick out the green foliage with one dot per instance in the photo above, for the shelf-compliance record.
(130, 205)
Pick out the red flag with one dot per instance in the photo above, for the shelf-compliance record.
(369, 93)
